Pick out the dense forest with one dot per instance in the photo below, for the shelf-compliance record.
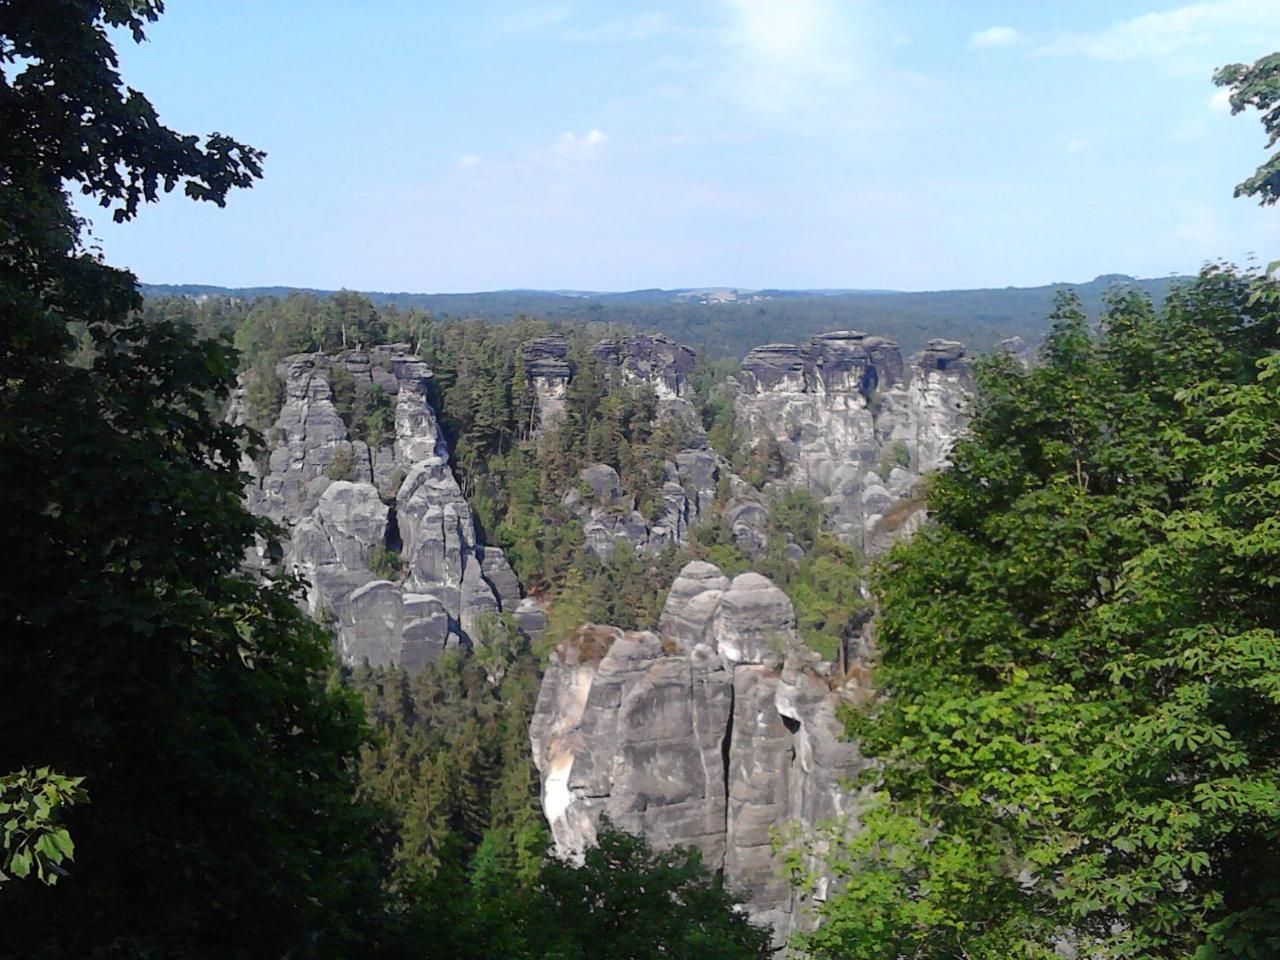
(1077, 667)
(515, 485)
(980, 318)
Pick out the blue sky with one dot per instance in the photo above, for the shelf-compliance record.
(754, 143)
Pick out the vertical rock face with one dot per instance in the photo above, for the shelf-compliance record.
(855, 424)
(546, 364)
(340, 501)
(652, 358)
(706, 734)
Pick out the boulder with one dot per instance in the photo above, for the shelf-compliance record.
(500, 577)
(603, 480)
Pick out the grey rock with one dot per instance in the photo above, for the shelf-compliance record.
(755, 622)
(353, 518)
(691, 605)
(654, 359)
(748, 521)
(844, 406)
(531, 618)
(425, 630)
(500, 577)
(603, 481)
(476, 600)
(548, 369)
(1018, 349)
(708, 734)
(372, 625)
(546, 357)
(332, 523)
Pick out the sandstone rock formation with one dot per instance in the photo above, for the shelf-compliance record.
(855, 424)
(547, 366)
(344, 503)
(708, 734)
(694, 480)
(655, 359)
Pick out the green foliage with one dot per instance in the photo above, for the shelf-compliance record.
(1257, 85)
(365, 408)
(795, 517)
(267, 329)
(1081, 657)
(827, 590)
(343, 464)
(374, 415)
(342, 387)
(384, 563)
(263, 396)
(451, 759)
(194, 702)
(979, 318)
(762, 463)
(32, 803)
(623, 900)
(897, 455)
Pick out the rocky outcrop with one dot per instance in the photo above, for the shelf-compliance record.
(856, 425)
(348, 505)
(654, 359)
(547, 366)
(694, 481)
(708, 733)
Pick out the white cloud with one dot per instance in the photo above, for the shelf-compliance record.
(467, 161)
(785, 56)
(1078, 145)
(1170, 33)
(993, 37)
(571, 144)
(1220, 102)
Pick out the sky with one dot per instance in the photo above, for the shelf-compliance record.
(462, 146)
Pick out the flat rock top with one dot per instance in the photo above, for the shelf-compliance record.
(827, 355)
(657, 349)
(546, 357)
(944, 355)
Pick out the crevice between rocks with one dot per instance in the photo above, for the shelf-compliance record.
(725, 744)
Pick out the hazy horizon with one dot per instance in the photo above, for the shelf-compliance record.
(581, 292)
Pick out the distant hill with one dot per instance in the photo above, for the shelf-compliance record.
(730, 321)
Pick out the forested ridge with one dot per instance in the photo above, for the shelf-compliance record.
(980, 318)
(1075, 664)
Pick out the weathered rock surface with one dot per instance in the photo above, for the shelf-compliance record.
(547, 366)
(339, 502)
(693, 483)
(706, 734)
(856, 425)
(654, 359)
